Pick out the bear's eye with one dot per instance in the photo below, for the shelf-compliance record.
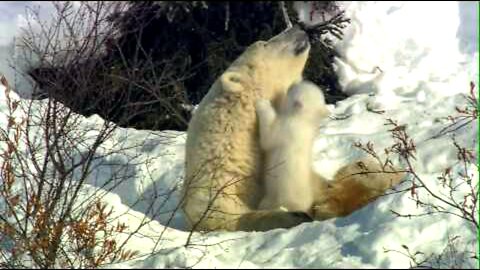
(263, 43)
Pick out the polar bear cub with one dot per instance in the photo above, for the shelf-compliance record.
(287, 137)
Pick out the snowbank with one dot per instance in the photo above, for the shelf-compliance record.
(417, 51)
(15, 16)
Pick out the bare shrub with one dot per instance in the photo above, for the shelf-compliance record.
(455, 254)
(52, 208)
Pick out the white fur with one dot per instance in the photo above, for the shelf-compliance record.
(223, 159)
(287, 138)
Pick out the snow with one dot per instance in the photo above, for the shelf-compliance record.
(15, 15)
(426, 60)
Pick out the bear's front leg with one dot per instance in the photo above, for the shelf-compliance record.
(266, 117)
(265, 220)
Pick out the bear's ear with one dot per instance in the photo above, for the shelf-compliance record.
(232, 82)
(297, 104)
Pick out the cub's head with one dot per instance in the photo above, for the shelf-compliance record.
(307, 99)
(269, 67)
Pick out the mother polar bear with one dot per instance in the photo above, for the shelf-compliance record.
(222, 187)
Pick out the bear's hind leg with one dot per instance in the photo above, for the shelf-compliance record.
(353, 187)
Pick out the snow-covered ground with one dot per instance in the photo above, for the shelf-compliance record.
(412, 60)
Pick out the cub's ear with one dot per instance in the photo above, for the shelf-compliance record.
(232, 82)
(297, 104)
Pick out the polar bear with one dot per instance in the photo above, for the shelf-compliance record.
(223, 163)
(223, 160)
(287, 139)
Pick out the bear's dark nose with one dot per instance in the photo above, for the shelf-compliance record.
(301, 42)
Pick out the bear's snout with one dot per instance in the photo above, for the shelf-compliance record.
(301, 43)
(294, 37)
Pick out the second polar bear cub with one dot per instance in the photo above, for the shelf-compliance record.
(287, 137)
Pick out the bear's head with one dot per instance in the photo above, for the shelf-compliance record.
(307, 99)
(269, 67)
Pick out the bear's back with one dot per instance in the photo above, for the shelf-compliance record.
(222, 154)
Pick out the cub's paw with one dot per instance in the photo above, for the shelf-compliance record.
(263, 104)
